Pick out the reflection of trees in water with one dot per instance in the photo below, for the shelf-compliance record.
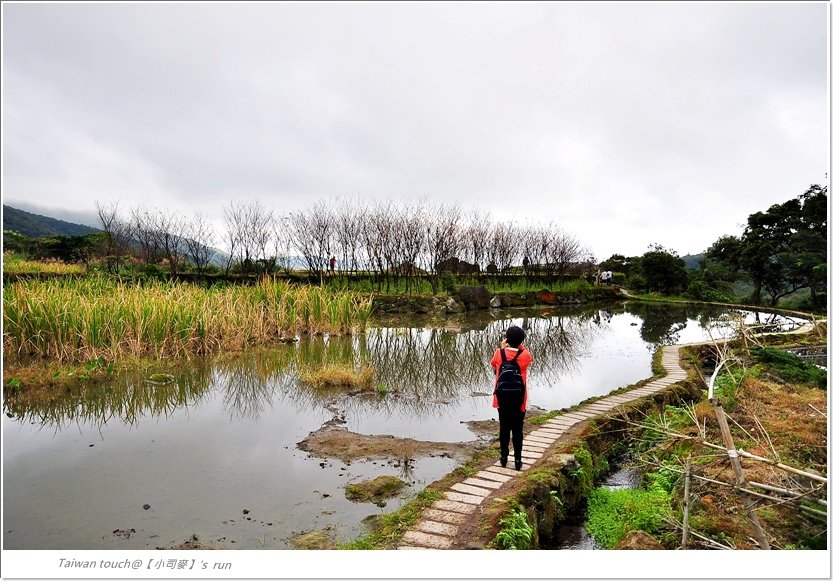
(127, 398)
(424, 370)
(662, 324)
(248, 383)
(439, 363)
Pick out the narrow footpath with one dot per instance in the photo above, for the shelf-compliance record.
(440, 523)
(438, 528)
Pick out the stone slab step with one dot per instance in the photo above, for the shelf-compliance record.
(488, 475)
(538, 441)
(427, 540)
(530, 454)
(445, 516)
(482, 483)
(600, 408)
(467, 498)
(558, 428)
(548, 435)
(437, 528)
(454, 506)
(569, 417)
(501, 470)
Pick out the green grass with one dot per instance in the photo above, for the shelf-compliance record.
(612, 513)
(395, 524)
(790, 367)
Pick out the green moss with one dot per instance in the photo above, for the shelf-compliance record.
(315, 540)
(376, 490)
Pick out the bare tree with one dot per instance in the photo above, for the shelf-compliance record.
(503, 250)
(142, 222)
(249, 228)
(376, 236)
(412, 235)
(312, 232)
(348, 221)
(169, 227)
(233, 235)
(199, 238)
(476, 237)
(443, 239)
(119, 234)
(567, 252)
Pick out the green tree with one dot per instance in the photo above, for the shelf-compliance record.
(663, 270)
(784, 249)
(781, 250)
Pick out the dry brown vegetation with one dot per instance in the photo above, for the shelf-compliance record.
(333, 375)
(781, 421)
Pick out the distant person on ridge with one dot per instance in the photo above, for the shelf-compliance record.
(510, 362)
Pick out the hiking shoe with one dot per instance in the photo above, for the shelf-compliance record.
(503, 461)
(518, 464)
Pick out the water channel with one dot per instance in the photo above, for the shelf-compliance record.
(133, 465)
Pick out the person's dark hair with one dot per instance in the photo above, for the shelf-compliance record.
(515, 336)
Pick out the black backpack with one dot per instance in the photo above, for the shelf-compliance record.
(509, 378)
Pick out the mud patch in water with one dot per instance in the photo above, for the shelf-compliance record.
(329, 442)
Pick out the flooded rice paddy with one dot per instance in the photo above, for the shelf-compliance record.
(214, 453)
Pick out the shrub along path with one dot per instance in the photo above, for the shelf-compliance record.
(441, 522)
(439, 526)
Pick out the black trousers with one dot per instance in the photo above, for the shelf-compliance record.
(511, 421)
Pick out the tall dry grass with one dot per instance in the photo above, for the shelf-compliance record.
(80, 319)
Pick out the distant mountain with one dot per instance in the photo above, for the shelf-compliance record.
(692, 261)
(35, 225)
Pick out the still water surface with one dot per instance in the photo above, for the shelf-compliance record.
(133, 465)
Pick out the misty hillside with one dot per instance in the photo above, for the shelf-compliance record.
(35, 225)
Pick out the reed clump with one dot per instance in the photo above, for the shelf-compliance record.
(79, 319)
(334, 375)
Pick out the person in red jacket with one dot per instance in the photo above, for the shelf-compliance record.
(510, 362)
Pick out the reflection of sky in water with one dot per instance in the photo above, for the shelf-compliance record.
(223, 437)
(198, 470)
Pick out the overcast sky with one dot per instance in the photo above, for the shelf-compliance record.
(625, 124)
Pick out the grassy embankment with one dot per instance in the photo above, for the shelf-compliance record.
(775, 403)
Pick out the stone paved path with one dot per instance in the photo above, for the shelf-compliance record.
(440, 523)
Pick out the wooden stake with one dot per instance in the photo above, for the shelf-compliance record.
(748, 503)
(685, 501)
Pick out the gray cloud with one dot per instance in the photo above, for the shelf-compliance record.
(625, 123)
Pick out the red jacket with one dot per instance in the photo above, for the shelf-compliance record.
(524, 359)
